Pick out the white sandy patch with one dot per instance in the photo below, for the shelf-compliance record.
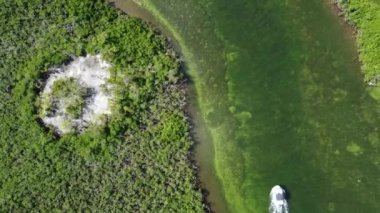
(91, 72)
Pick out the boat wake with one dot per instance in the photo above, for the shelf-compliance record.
(278, 203)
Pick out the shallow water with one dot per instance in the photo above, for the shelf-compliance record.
(280, 91)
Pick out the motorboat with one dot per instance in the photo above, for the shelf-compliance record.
(278, 202)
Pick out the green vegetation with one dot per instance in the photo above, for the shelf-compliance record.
(364, 15)
(69, 93)
(136, 162)
(67, 86)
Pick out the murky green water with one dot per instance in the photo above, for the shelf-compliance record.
(281, 95)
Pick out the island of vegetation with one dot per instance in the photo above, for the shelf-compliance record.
(364, 15)
(111, 137)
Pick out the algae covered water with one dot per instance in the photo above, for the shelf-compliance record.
(280, 91)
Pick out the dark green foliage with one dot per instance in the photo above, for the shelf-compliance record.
(67, 86)
(72, 93)
(365, 16)
(138, 161)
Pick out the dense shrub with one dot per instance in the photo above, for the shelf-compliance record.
(138, 161)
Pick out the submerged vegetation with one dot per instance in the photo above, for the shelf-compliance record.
(364, 15)
(137, 161)
(282, 100)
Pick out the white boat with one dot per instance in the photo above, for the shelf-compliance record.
(278, 203)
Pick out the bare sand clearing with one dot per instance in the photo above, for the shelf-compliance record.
(92, 73)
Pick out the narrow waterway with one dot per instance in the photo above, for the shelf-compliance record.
(281, 101)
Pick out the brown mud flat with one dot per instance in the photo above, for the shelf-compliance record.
(350, 30)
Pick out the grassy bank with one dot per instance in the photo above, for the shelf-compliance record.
(364, 15)
(137, 161)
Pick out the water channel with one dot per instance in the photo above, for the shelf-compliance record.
(279, 99)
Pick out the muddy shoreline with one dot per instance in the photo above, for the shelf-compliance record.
(350, 29)
(339, 11)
